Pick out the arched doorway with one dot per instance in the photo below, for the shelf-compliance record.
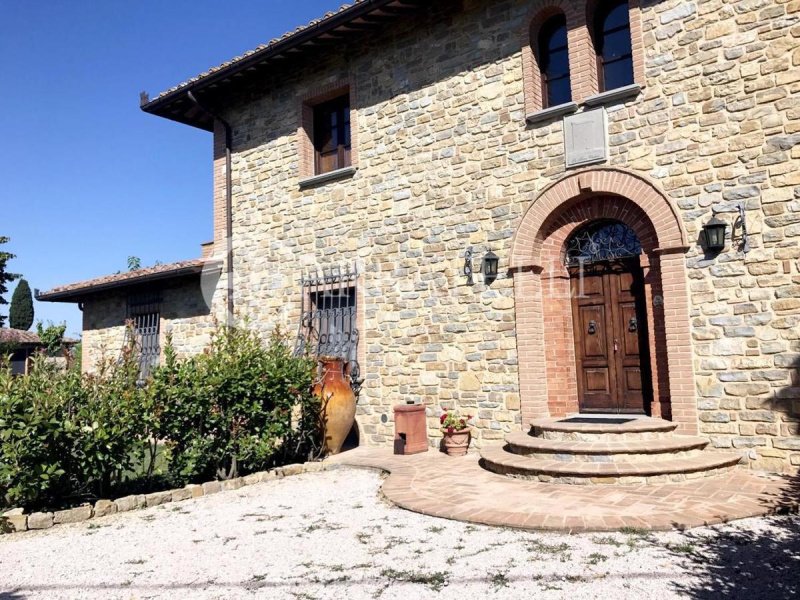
(546, 331)
(609, 318)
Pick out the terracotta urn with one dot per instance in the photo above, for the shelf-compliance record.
(338, 403)
(456, 443)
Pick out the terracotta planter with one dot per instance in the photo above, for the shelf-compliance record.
(338, 403)
(457, 442)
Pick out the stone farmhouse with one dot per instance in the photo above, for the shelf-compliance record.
(522, 209)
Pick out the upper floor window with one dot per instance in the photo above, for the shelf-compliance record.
(553, 61)
(332, 145)
(612, 39)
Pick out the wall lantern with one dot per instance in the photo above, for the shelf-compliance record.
(714, 232)
(490, 264)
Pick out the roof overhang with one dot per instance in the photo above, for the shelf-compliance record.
(79, 292)
(364, 16)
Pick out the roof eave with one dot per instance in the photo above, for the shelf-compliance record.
(161, 105)
(81, 294)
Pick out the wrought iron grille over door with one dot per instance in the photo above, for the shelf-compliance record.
(144, 311)
(600, 241)
(328, 319)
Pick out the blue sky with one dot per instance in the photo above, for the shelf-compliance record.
(87, 178)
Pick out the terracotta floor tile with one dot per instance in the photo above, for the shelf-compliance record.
(458, 488)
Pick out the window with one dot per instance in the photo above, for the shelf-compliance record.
(612, 38)
(601, 240)
(20, 361)
(333, 328)
(554, 62)
(328, 322)
(332, 145)
(145, 316)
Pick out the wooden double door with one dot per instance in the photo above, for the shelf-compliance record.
(611, 342)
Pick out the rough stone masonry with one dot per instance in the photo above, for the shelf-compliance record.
(445, 160)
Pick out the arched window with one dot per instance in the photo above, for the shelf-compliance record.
(612, 39)
(553, 58)
(601, 240)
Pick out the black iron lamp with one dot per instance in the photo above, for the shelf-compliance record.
(714, 232)
(490, 264)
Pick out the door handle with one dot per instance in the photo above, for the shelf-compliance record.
(633, 324)
(616, 346)
(592, 327)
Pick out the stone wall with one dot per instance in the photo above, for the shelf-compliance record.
(446, 160)
(185, 315)
(103, 330)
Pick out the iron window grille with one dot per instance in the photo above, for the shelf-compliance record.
(601, 240)
(144, 314)
(328, 325)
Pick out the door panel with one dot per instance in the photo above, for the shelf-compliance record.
(596, 380)
(630, 330)
(611, 347)
(633, 379)
(591, 324)
(592, 320)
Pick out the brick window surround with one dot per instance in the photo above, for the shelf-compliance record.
(582, 55)
(545, 346)
(305, 132)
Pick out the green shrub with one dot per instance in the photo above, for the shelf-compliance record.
(51, 337)
(238, 407)
(31, 435)
(64, 436)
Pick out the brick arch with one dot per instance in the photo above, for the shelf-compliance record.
(545, 341)
(526, 246)
(559, 226)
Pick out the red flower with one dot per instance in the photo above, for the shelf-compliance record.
(450, 430)
(442, 418)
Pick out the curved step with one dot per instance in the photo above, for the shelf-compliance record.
(608, 428)
(666, 448)
(496, 459)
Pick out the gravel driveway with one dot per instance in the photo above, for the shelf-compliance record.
(330, 535)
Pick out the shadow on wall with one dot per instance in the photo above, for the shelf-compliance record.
(760, 560)
(181, 300)
(451, 49)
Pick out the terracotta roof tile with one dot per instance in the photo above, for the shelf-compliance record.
(129, 277)
(259, 48)
(18, 336)
(26, 338)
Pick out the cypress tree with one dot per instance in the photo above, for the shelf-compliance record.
(5, 277)
(20, 315)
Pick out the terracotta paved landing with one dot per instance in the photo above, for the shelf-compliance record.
(458, 488)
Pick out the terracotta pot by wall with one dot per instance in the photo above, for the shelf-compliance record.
(338, 403)
(456, 443)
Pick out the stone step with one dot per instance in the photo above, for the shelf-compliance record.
(667, 448)
(498, 460)
(617, 428)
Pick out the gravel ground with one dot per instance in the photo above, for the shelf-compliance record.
(330, 535)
